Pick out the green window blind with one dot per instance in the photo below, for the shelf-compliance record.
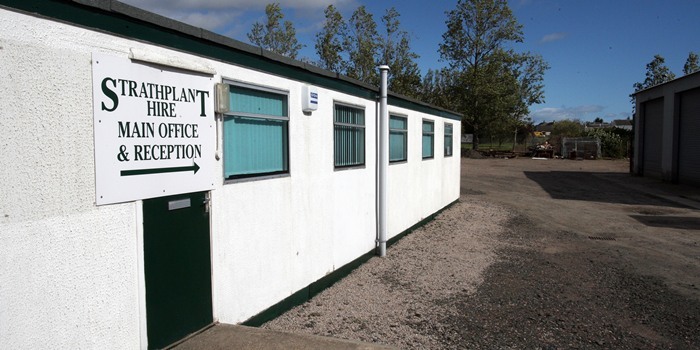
(428, 139)
(264, 103)
(349, 136)
(448, 140)
(256, 134)
(398, 139)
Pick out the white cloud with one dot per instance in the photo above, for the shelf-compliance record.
(208, 14)
(209, 20)
(235, 17)
(583, 112)
(553, 37)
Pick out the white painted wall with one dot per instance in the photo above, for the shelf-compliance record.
(68, 269)
(420, 187)
(274, 236)
(71, 272)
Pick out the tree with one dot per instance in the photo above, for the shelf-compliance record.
(691, 64)
(361, 42)
(329, 45)
(395, 50)
(435, 88)
(567, 128)
(494, 85)
(476, 29)
(275, 36)
(365, 49)
(529, 72)
(657, 73)
(598, 120)
(611, 144)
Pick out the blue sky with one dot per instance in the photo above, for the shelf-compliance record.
(596, 48)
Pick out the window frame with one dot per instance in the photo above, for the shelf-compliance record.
(405, 140)
(451, 143)
(362, 127)
(432, 138)
(286, 139)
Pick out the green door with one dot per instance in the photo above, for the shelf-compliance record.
(177, 267)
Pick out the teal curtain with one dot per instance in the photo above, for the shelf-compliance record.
(244, 100)
(254, 144)
(398, 139)
(428, 138)
(349, 135)
(448, 139)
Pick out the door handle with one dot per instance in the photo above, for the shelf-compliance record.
(207, 202)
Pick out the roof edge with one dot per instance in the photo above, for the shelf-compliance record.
(249, 56)
(686, 76)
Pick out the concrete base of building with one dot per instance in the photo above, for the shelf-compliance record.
(224, 336)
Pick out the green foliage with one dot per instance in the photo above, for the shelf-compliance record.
(366, 49)
(274, 35)
(529, 69)
(657, 73)
(361, 41)
(436, 88)
(396, 53)
(354, 48)
(329, 45)
(476, 29)
(691, 64)
(613, 144)
(491, 84)
(567, 128)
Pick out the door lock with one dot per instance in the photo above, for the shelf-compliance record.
(207, 202)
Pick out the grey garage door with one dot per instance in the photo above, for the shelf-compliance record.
(689, 138)
(653, 125)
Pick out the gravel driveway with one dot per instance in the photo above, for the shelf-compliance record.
(551, 254)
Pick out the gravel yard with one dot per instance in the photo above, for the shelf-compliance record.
(536, 254)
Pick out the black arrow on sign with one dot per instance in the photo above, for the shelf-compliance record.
(193, 167)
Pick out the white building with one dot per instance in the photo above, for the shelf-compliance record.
(138, 207)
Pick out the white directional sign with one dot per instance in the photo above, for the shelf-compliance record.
(155, 133)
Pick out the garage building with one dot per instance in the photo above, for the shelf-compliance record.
(667, 137)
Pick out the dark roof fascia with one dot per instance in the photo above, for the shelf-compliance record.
(687, 76)
(397, 100)
(130, 22)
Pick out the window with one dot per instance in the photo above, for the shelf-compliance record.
(349, 136)
(398, 139)
(428, 139)
(256, 133)
(448, 140)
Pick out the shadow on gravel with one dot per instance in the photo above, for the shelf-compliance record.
(527, 303)
(573, 299)
(588, 186)
(679, 222)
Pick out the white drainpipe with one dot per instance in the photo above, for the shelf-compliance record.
(383, 161)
